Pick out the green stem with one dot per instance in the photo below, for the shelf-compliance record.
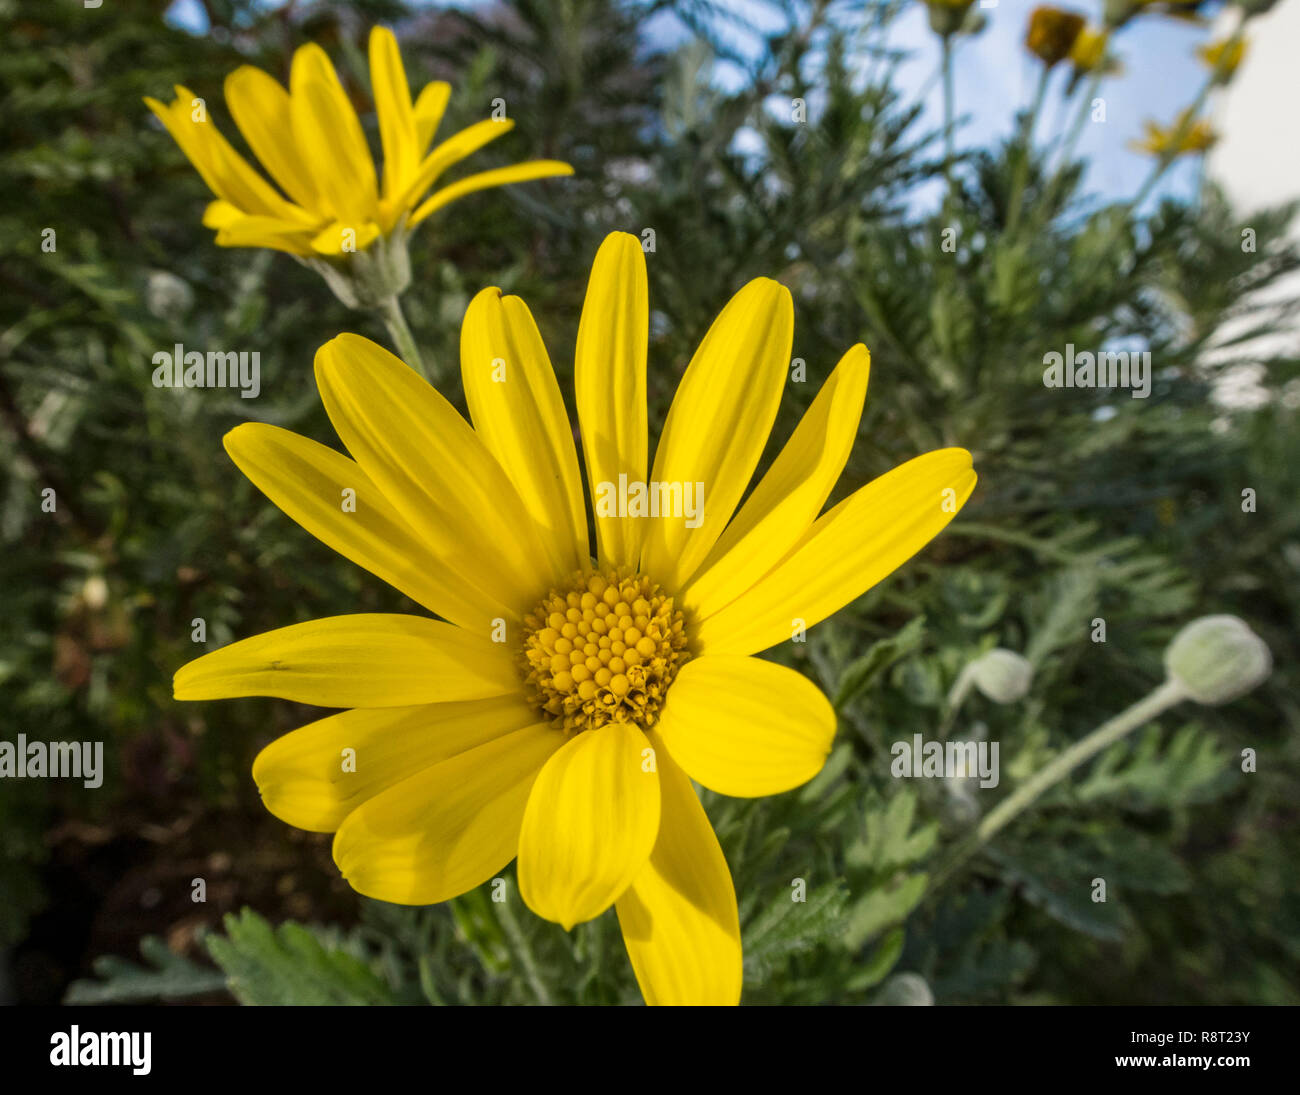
(1157, 173)
(1011, 536)
(1021, 176)
(952, 705)
(1076, 128)
(1106, 735)
(510, 925)
(949, 138)
(1053, 189)
(403, 339)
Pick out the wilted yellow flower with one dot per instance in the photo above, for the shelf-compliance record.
(1173, 141)
(1052, 33)
(331, 200)
(1089, 49)
(1223, 57)
(562, 710)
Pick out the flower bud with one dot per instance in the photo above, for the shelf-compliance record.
(948, 17)
(1222, 58)
(166, 295)
(905, 990)
(1115, 13)
(1216, 659)
(1051, 33)
(1089, 49)
(1002, 675)
(367, 278)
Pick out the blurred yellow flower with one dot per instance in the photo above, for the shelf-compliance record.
(309, 139)
(1052, 33)
(562, 711)
(1170, 142)
(1223, 57)
(1089, 49)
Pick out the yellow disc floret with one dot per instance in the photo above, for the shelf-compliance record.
(603, 650)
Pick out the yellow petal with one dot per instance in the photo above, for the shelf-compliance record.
(848, 550)
(679, 917)
(397, 128)
(435, 470)
(501, 176)
(430, 106)
(364, 660)
(590, 824)
(243, 227)
(260, 106)
(277, 235)
(329, 138)
(313, 484)
(609, 381)
(448, 828)
(313, 777)
(338, 238)
(790, 496)
(516, 407)
(227, 173)
(746, 727)
(450, 152)
(219, 214)
(718, 424)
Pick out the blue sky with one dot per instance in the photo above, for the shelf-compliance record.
(994, 76)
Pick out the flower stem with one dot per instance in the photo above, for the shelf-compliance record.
(510, 925)
(1021, 175)
(400, 331)
(1076, 129)
(1066, 152)
(1106, 735)
(949, 140)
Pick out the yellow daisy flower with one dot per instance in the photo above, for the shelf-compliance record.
(1170, 142)
(1089, 49)
(1223, 57)
(560, 708)
(332, 201)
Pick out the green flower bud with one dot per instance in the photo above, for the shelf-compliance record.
(1118, 12)
(1216, 659)
(167, 296)
(1002, 675)
(1256, 7)
(366, 279)
(949, 17)
(905, 990)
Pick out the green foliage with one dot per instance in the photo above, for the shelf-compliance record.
(167, 976)
(293, 965)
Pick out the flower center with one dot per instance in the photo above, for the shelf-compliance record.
(603, 650)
